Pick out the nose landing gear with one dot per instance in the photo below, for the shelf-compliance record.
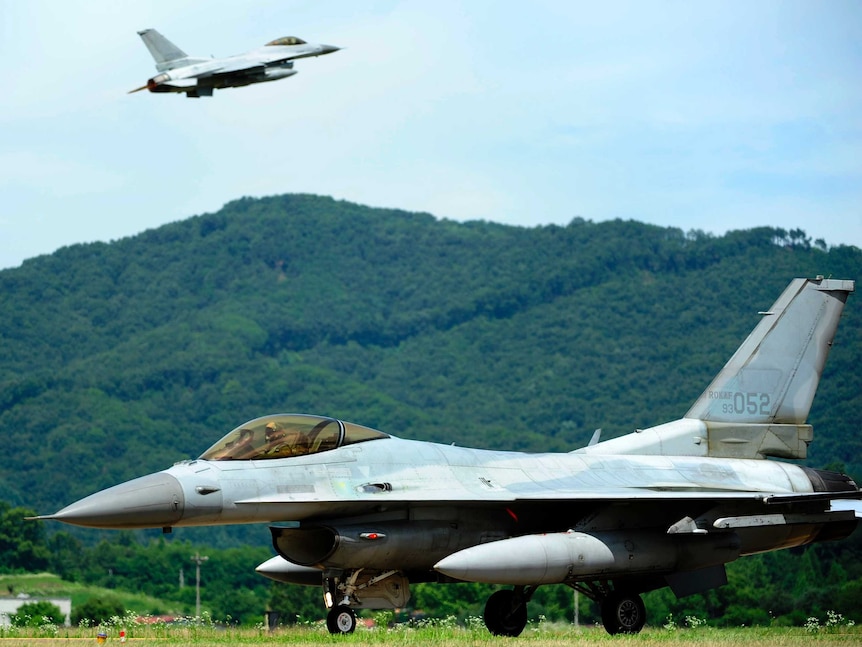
(341, 620)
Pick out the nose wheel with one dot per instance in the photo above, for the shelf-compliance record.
(341, 620)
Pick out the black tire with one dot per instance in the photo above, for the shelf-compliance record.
(341, 620)
(623, 613)
(505, 615)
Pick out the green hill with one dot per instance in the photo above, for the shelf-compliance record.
(48, 585)
(119, 359)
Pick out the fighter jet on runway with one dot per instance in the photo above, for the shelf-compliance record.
(198, 77)
(364, 514)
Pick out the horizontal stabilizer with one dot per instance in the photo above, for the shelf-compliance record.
(847, 505)
(761, 520)
(810, 497)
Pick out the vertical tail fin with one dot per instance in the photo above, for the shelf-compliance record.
(166, 54)
(773, 376)
(758, 403)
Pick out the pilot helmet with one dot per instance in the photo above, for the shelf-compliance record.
(272, 428)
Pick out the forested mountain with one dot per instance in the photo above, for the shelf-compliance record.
(119, 359)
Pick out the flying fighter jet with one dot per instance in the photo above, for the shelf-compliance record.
(364, 514)
(198, 77)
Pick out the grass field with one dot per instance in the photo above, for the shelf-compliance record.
(438, 635)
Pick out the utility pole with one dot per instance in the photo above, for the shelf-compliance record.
(198, 559)
(577, 610)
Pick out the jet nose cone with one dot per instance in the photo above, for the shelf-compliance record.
(151, 501)
(328, 49)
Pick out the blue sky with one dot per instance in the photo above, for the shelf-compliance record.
(697, 115)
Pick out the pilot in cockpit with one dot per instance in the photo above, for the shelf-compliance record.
(278, 441)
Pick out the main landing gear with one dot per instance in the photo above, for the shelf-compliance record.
(623, 612)
(506, 611)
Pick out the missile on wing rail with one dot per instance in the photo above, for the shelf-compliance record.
(572, 556)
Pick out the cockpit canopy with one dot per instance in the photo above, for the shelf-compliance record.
(283, 435)
(285, 40)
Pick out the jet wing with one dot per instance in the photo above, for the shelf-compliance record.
(232, 69)
(609, 496)
(847, 505)
(245, 65)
